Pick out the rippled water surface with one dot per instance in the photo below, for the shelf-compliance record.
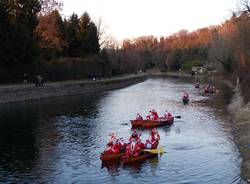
(59, 140)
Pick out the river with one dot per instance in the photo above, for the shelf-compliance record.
(59, 140)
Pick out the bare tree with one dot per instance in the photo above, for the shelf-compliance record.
(105, 39)
(244, 6)
(48, 6)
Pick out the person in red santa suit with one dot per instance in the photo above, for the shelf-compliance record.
(168, 116)
(153, 142)
(149, 116)
(134, 149)
(112, 146)
(139, 146)
(112, 138)
(135, 136)
(130, 148)
(139, 117)
(185, 95)
(121, 144)
(155, 115)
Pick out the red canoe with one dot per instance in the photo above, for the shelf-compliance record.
(185, 100)
(111, 157)
(151, 123)
(131, 160)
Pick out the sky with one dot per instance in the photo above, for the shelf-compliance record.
(133, 18)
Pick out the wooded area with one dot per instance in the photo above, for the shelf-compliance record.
(34, 39)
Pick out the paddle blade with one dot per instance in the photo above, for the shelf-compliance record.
(179, 117)
(161, 150)
(155, 151)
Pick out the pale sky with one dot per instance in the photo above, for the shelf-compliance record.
(133, 18)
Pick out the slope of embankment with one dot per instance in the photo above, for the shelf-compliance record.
(22, 92)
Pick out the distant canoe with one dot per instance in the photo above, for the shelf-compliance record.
(197, 85)
(185, 100)
(152, 123)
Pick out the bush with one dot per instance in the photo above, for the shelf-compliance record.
(197, 63)
(189, 64)
(186, 66)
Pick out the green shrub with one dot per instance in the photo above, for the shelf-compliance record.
(189, 64)
(186, 66)
(197, 63)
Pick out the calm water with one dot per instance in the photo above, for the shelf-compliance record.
(59, 140)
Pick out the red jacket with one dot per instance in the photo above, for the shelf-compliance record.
(155, 116)
(154, 140)
(134, 150)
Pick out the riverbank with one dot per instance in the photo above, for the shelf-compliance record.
(23, 92)
(170, 74)
(241, 130)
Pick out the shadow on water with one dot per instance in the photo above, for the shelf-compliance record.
(26, 128)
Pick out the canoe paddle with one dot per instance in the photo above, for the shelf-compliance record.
(124, 123)
(179, 117)
(155, 151)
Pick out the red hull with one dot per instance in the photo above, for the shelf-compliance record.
(162, 122)
(111, 157)
(132, 160)
(151, 123)
(136, 123)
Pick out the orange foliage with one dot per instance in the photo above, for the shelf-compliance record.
(49, 31)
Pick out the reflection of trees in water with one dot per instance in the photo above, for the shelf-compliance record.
(29, 133)
(18, 149)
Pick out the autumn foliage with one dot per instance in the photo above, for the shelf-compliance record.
(35, 38)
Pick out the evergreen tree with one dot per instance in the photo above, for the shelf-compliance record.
(72, 35)
(5, 44)
(88, 36)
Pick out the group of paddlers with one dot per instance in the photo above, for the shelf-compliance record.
(153, 115)
(134, 147)
(208, 88)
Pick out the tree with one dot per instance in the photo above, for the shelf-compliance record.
(48, 6)
(88, 36)
(105, 39)
(51, 33)
(73, 35)
(5, 35)
(21, 20)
